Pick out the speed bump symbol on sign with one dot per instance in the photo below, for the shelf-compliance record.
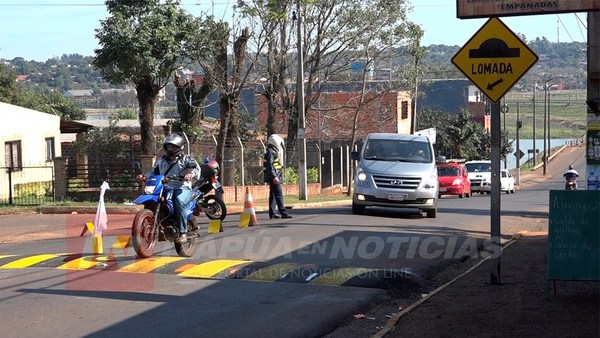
(494, 59)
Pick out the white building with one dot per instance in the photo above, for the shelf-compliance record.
(30, 140)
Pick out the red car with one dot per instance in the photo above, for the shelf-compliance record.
(454, 180)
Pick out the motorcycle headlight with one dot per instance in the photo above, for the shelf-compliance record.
(149, 189)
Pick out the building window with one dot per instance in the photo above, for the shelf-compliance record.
(12, 155)
(49, 148)
(404, 110)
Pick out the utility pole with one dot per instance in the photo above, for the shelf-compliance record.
(534, 152)
(300, 106)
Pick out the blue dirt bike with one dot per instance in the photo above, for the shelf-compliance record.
(158, 222)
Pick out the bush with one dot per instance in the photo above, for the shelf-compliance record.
(312, 175)
(292, 177)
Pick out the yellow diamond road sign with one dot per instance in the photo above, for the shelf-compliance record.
(494, 59)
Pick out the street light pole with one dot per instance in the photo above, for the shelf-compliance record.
(534, 152)
(547, 121)
(545, 117)
(302, 195)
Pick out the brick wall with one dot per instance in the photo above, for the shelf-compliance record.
(334, 116)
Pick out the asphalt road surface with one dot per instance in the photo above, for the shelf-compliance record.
(302, 277)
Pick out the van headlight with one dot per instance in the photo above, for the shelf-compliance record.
(431, 183)
(361, 177)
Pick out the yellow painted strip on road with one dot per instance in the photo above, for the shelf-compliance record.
(5, 256)
(340, 276)
(84, 263)
(28, 261)
(149, 264)
(272, 273)
(211, 268)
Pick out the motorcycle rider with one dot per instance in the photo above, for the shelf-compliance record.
(175, 163)
(571, 174)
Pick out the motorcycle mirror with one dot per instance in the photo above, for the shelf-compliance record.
(137, 166)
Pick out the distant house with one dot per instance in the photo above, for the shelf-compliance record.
(449, 95)
(453, 96)
(332, 116)
(78, 94)
(31, 140)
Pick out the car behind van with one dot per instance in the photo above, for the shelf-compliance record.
(397, 171)
(480, 175)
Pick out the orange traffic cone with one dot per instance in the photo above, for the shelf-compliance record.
(248, 217)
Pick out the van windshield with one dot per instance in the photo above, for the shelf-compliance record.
(396, 150)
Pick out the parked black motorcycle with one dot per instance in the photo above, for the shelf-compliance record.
(211, 204)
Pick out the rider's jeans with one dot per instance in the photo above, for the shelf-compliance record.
(181, 197)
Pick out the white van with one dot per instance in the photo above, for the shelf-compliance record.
(480, 175)
(397, 171)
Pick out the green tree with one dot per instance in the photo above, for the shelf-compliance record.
(8, 87)
(126, 114)
(51, 103)
(103, 144)
(143, 42)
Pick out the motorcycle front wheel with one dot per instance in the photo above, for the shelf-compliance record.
(142, 233)
(214, 207)
(188, 248)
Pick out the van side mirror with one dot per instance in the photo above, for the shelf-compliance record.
(440, 159)
(355, 155)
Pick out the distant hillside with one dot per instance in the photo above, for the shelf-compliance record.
(75, 72)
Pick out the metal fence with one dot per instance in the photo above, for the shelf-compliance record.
(118, 175)
(32, 185)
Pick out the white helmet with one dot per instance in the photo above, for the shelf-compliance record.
(276, 141)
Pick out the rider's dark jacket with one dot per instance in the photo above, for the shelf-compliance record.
(181, 165)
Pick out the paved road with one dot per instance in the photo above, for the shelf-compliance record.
(103, 301)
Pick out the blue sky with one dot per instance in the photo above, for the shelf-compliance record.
(41, 29)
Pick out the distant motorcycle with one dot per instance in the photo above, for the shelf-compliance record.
(571, 183)
(211, 204)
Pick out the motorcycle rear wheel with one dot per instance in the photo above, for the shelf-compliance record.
(142, 233)
(214, 207)
(188, 248)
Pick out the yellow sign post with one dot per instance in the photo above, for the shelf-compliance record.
(494, 59)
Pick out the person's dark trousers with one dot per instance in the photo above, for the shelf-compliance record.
(276, 200)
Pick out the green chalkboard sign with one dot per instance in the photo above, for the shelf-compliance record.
(574, 235)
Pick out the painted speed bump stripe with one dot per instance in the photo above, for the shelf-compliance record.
(340, 276)
(84, 263)
(272, 273)
(28, 261)
(211, 268)
(6, 256)
(149, 264)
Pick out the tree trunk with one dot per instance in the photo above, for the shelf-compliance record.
(147, 94)
(187, 91)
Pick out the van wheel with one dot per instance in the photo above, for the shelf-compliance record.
(431, 213)
(358, 209)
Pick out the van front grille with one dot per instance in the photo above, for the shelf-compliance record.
(397, 182)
